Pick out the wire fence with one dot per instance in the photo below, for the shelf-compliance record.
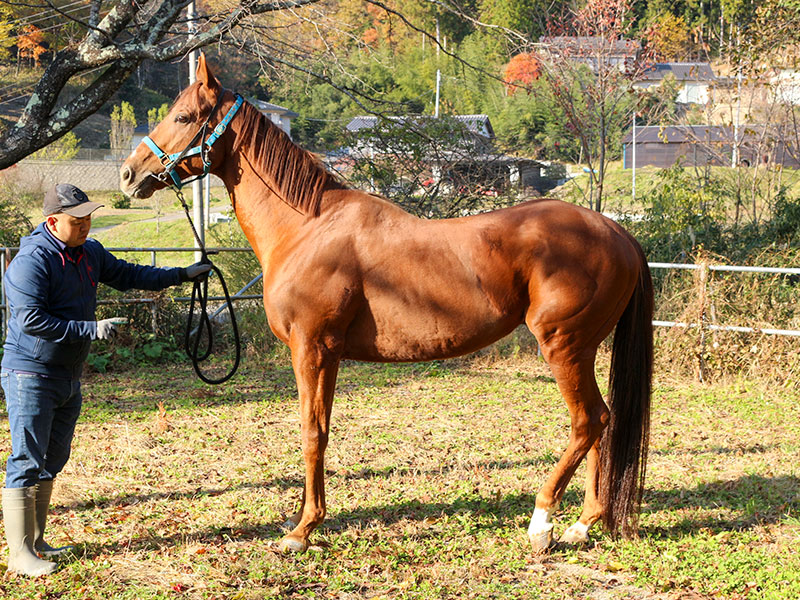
(707, 320)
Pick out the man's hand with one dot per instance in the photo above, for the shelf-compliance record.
(195, 270)
(107, 328)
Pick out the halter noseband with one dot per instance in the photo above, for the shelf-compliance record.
(171, 161)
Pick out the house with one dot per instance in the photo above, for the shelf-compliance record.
(593, 51)
(281, 116)
(785, 86)
(695, 80)
(475, 129)
(697, 145)
(139, 134)
(468, 161)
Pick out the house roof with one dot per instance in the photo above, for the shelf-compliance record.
(498, 159)
(676, 134)
(682, 71)
(478, 124)
(587, 45)
(268, 107)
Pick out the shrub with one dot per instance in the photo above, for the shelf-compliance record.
(13, 222)
(120, 200)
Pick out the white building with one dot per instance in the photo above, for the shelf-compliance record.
(786, 86)
(695, 80)
(282, 117)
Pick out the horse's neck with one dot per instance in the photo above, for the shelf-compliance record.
(263, 216)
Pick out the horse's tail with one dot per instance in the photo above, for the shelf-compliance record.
(623, 453)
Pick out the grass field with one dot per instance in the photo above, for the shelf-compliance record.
(432, 472)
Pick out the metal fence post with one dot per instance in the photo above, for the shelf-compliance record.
(153, 307)
(3, 302)
(701, 318)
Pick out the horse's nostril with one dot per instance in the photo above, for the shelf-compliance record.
(126, 174)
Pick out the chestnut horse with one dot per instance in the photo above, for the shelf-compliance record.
(348, 274)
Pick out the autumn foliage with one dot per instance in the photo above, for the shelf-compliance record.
(521, 71)
(30, 43)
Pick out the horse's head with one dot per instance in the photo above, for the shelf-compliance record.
(160, 160)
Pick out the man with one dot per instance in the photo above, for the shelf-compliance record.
(51, 287)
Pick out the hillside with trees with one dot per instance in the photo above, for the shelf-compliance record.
(68, 67)
(329, 61)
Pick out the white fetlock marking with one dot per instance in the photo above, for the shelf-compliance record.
(540, 522)
(578, 533)
(540, 531)
(580, 529)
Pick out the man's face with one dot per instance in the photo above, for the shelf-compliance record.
(70, 230)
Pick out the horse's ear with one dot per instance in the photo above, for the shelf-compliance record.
(204, 74)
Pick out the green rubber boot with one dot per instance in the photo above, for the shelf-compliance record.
(19, 514)
(44, 489)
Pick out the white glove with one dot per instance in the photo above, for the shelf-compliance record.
(195, 270)
(107, 328)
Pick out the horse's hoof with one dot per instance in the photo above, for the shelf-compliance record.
(541, 540)
(288, 526)
(577, 534)
(292, 544)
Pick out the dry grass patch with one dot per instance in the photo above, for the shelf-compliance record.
(176, 489)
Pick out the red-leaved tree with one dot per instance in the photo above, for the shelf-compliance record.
(522, 70)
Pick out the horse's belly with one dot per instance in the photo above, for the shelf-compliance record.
(416, 334)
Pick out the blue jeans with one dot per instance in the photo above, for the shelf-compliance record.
(42, 413)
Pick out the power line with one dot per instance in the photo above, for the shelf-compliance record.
(48, 14)
(56, 25)
(28, 91)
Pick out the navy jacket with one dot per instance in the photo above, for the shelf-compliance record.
(52, 294)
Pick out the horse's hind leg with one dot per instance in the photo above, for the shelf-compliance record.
(578, 532)
(589, 415)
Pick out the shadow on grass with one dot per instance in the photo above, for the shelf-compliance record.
(285, 483)
(177, 386)
(491, 512)
(370, 473)
(487, 513)
(755, 500)
(736, 450)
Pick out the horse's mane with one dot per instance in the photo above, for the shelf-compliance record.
(299, 176)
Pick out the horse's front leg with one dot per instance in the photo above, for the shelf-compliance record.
(316, 364)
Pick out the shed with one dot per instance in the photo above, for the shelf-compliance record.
(476, 128)
(695, 145)
(469, 165)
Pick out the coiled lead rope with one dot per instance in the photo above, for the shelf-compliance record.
(200, 295)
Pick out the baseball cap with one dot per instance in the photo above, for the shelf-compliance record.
(66, 198)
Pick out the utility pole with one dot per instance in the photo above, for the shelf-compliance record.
(438, 83)
(197, 184)
(633, 158)
(438, 72)
(737, 123)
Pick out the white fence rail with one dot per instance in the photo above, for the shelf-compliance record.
(7, 252)
(731, 269)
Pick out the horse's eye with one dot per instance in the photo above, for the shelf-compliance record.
(181, 119)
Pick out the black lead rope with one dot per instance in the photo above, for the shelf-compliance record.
(200, 295)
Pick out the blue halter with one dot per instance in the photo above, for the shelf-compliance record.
(170, 161)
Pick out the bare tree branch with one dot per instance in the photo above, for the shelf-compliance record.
(116, 42)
